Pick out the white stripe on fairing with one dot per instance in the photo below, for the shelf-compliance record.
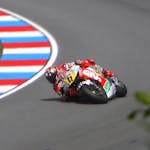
(20, 34)
(7, 18)
(6, 88)
(40, 50)
(10, 69)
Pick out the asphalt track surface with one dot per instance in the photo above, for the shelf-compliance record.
(116, 34)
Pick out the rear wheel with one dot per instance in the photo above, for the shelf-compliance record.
(94, 94)
(121, 89)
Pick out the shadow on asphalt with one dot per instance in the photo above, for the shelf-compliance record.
(72, 100)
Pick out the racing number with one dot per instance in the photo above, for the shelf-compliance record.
(69, 77)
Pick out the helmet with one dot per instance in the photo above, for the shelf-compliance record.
(91, 61)
(51, 74)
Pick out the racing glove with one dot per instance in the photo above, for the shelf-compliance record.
(59, 88)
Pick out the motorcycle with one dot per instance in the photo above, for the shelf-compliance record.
(89, 83)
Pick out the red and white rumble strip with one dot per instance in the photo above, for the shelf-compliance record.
(28, 51)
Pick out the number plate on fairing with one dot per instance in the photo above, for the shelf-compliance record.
(71, 75)
(70, 78)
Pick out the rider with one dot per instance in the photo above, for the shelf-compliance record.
(55, 75)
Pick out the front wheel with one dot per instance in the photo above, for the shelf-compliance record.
(94, 94)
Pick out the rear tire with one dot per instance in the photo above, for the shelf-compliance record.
(121, 89)
(100, 98)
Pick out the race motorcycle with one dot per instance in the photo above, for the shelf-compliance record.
(89, 83)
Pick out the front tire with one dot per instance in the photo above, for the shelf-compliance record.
(94, 94)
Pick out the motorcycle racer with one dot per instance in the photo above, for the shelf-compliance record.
(55, 75)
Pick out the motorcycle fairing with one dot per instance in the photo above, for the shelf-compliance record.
(90, 73)
(109, 88)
